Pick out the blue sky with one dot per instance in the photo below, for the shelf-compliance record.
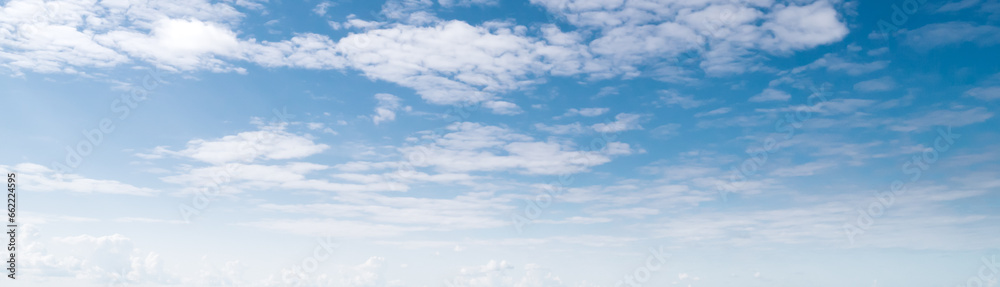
(503, 143)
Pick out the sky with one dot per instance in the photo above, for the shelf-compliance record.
(576, 143)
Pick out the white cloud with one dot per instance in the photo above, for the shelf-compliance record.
(502, 107)
(466, 211)
(474, 147)
(957, 6)
(250, 177)
(984, 93)
(453, 62)
(497, 273)
(41, 178)
(575, 220)
(665, 131)
(631, 34)
(65, 36)
(606, 91)
(467, 3)
(833, 62)
(876, 85)
(97, 259)
(322, 127)
(802, 169)
(306, 50)
(634, 212)
(878, 52)
(830, 107)
(944, 34)
(672, 98)
(715, 112)
(270, 142)
(770, 95)
(412, 12)
(567, 129)
(149, 220)
(586, 112)
(632, 44)
(180, 44)
(446, 62)
(367, 274)
(332, 227)
(800, 27)
(321, 8)
(623, 122)
(314, 126)
(385, 110)
(953, 118)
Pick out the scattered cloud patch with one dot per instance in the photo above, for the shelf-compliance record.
(623, 122)
(882, 84)
(771, 95)
(385, 110)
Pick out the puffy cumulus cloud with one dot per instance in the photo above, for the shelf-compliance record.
(99, 259)
(630, 45)
(178, 44)
(631, 34)
(232, 273)
(367, 274)
(233, 164)
(306, 50)
(385, 110)
(229, 274)
(64, 36)
(321, 8)
(502, 107)
(492, 274)
(538, 276)
(67, 36)
(44, 179)
(452, 62)
(43, 37)
(800, 27)
(469, 147)
(444, 61)
(271, 142)
(416, 12)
